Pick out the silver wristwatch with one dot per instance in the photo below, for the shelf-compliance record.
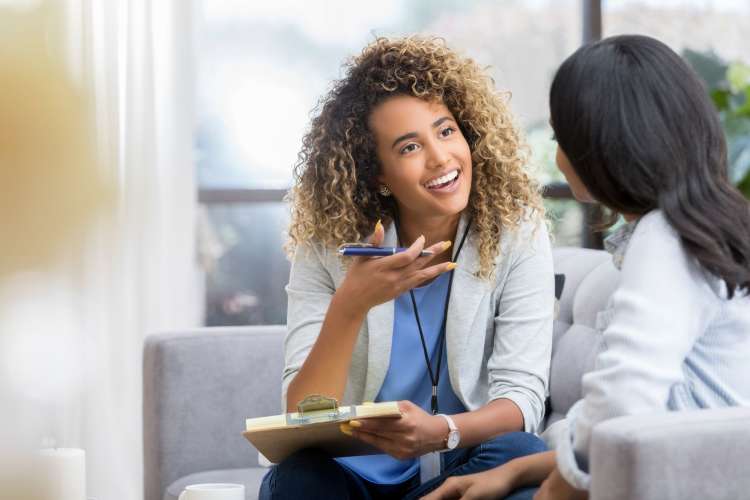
(454, 436)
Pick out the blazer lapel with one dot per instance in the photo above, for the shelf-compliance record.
(380, 336)
(467, 293)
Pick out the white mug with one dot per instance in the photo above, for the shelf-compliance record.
(213, 491)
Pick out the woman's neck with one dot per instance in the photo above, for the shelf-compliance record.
(434, 229)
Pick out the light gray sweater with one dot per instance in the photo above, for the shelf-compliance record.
(673, 341)
(498, 333)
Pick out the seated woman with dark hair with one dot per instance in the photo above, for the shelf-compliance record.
(416, 137)
(637, 132)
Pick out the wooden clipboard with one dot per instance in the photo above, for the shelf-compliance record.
(314, 425)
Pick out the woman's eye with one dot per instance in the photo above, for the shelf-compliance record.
(408, 148)
(447, 131)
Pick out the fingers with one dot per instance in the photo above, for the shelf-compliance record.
(380, 442)
(376, 238)
(411, 260)
(377, 426)
(405, 406)
(387, 425)
(406, 257)
(421, 262)
(428, 273)
(450, 489)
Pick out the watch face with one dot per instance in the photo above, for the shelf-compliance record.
(453, 438)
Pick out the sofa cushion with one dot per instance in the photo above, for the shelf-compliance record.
(576, 264)
(204, 384)
(593, 293)
(250, 477)
(575, 353)
(590, 280)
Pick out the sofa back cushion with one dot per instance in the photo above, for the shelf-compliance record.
(590, 279)
(199, 386)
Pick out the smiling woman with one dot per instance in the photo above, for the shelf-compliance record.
(428, 169)
(414, 147)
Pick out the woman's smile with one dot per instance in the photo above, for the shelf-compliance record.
(446, 183)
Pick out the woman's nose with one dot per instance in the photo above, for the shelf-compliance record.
(437, 155)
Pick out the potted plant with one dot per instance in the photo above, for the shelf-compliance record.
(729, 87)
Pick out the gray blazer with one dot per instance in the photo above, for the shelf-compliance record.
(498, 333)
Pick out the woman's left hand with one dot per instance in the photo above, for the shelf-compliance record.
(555, 487)
(414, 434)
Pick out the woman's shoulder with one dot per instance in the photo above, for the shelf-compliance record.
(529, 238)
(652, 235)
(655, 254)
(315, 256)
(655, 220)
(529, 233)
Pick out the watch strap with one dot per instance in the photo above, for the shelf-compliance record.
(451, 423)
(451, 429)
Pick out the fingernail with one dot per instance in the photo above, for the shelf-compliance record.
(451, 266)
(378, 225)
(421, 237)
(446, 245)
(355, 423)
(346, 429)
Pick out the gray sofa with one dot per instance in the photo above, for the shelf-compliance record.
(200, 385)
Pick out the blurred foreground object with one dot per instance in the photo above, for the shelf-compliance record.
(50, 182)
(51, 189)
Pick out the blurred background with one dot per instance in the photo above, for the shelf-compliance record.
(262, 66)
(146, 147)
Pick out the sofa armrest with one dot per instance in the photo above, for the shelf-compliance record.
(676, 455)
(198, 388)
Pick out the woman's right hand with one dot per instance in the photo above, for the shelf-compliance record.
(493, 483)
(371, 281)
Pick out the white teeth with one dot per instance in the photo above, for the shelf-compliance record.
(442, 180)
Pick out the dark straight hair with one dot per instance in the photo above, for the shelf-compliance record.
(640, 131)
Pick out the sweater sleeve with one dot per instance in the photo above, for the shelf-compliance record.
(518, 367)
(309, 294)
(659, 310)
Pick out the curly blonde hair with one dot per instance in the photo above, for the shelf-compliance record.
(335, 198)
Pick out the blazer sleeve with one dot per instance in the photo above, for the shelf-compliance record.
(518, 367)
(309, 293)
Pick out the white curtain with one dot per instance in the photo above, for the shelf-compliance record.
(73, 338)
(140, 277)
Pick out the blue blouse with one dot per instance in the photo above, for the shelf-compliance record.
(407, 376)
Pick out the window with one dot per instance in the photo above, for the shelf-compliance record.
(263, 65)
(719, 26)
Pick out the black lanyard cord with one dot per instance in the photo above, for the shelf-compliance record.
(435, 376)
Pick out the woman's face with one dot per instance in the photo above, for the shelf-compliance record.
(576, 186)
(425, 159)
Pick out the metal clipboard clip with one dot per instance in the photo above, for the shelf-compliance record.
(315, 409)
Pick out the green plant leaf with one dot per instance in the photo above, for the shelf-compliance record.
(744, 109)
(739, 158)
(731, 96)
(720, 97)
(744, 186)
(709, 66)
(738, 76)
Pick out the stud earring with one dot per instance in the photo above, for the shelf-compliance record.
(384, 191)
